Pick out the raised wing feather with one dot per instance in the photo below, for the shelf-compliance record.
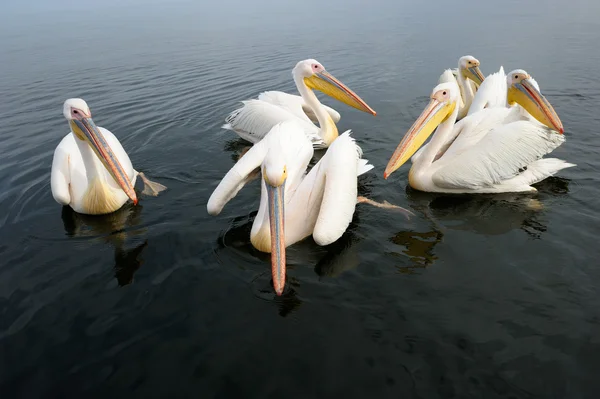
(341, 166)
(236, 178)
(491, 93)
(255, 119)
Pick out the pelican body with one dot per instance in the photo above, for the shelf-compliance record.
(295, 204)
(503, 158)
(256, 118)
(91, 172)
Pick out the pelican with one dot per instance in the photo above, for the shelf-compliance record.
(91, 171)
(320, 203)
(254, 120)
(507, 159)
(468, 76)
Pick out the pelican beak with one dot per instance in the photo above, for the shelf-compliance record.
(328, 84)
(434, 114)
(86, 129)
(527, 96)
(276, 217)
(474, 73)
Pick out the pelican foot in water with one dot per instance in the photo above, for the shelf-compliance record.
(534, 204)
(150, 187)
(384, 205)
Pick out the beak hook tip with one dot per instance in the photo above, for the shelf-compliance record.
(279, 290)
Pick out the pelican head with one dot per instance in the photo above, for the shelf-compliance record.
(442, 105)
(80, 120)
(468, 66)
(523, 90)
(274, 173)
(316, 77)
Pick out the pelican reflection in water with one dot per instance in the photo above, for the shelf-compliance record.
(112, 229)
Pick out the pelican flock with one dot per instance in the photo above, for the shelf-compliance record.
(487, 135)
(494, 150)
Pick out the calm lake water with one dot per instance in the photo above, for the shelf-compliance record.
(475, 296)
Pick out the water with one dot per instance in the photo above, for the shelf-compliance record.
(490, 296)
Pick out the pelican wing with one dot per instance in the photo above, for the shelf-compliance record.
(497, 157)
(296, 105)
(473, 128)
(491, 93)
(340, 165)
(256, 118)
(60, 177)
(236, 178)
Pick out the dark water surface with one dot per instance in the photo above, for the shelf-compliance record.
(485, 297)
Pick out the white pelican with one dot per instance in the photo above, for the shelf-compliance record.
(507, 159)
(320, 203)
(254, 120)
(468, 76)
(497, 108)
(91, 171)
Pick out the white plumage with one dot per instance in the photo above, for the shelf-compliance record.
(71, 176)
(491, 93)
(320, 203)
(498, 158)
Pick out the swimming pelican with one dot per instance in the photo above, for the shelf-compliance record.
(254, 120)
(495, 109)
(496, 164)
(91, 171)
(468, 76)
(320, 203)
